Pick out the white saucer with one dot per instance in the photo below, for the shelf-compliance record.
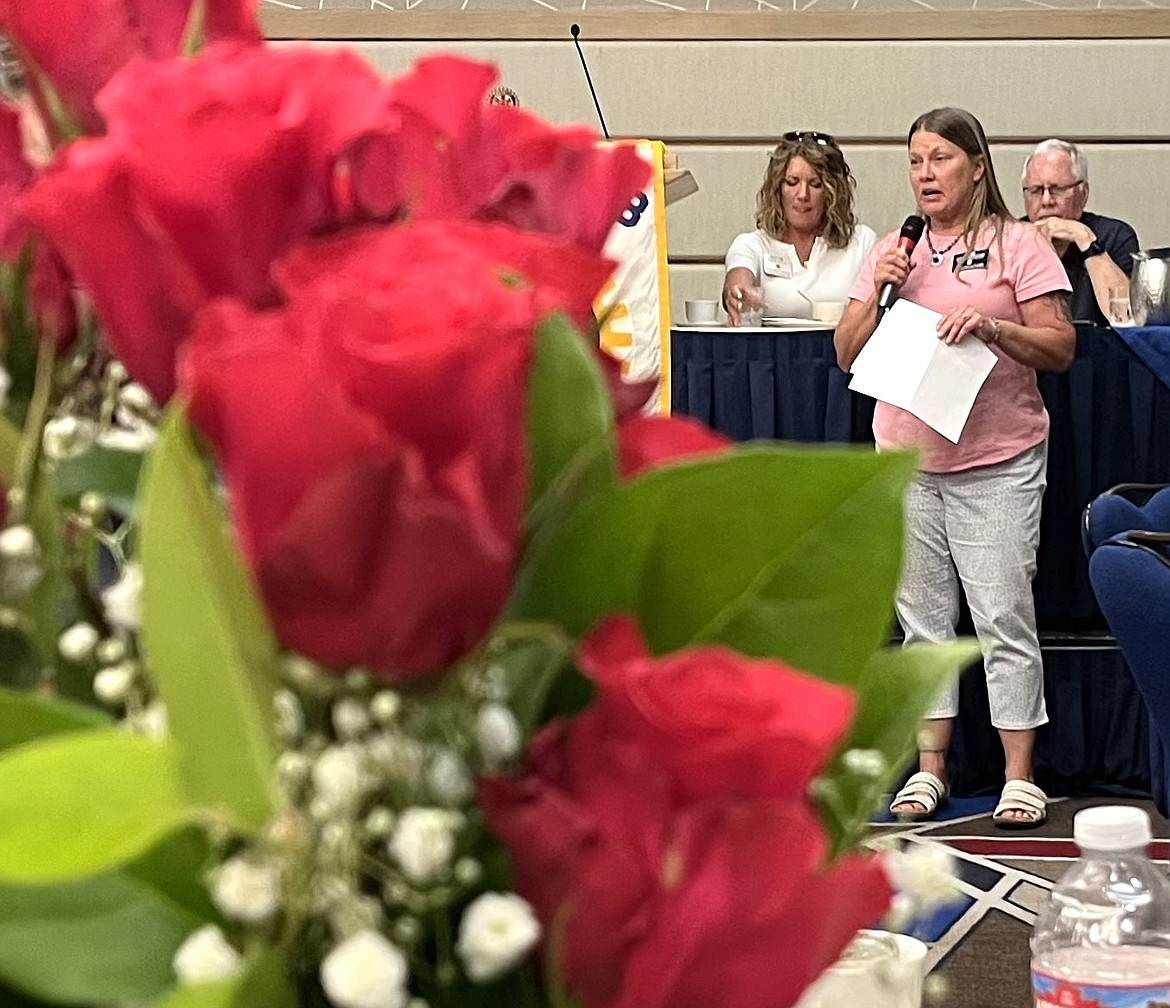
(782, 322)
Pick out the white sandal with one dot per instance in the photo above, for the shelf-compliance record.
(926, 790)
(1021, 796)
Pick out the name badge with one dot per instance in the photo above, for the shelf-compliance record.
(778, 267)
(971, 260)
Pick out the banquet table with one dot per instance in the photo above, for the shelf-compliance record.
(1110, 424)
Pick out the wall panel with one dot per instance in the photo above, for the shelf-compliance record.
(720, 102)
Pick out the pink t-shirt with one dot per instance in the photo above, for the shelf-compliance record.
(1008, 416)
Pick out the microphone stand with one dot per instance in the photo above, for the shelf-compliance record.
(575, 31)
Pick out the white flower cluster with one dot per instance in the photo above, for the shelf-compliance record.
(924, 878)
(378, 789)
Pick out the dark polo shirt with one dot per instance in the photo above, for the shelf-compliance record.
(1120, 241)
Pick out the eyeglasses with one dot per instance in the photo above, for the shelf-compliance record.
(1037, 191)
(810, 136)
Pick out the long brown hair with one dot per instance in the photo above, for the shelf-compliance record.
(962, 129)
(828, 162)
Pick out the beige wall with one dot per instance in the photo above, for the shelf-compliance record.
(719, 102)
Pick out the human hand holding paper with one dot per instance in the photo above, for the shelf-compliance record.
(905, 364)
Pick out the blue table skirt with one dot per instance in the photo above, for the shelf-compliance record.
(1110, 424)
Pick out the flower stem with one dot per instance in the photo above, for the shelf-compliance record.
(24, 477)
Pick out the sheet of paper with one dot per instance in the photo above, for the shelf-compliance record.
(904, 364)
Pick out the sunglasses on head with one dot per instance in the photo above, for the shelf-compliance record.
(810, 136)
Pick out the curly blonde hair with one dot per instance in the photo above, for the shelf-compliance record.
(828, 162)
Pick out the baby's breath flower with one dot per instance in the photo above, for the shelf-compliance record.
(385, 705)
(497, 733)
(468, 871)
(407, 930)
(496, 932)
(449, 778)
(123, 599)
(247, 889)
(379, 823)
(350, 718)
(152, 721)
(365, 971)
(112, 684)
(338, 777)
(290, 718)
(206, 957)
(292, 771)
(67, 437)
(77, 642)
(423, 843)
(923, 873)
(20, 561)
(110, 651)
(864, 762)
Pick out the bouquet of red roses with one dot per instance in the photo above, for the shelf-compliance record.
(363, 644)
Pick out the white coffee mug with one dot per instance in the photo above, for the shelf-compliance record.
(701, 312)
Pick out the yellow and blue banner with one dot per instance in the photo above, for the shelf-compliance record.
(634, 307)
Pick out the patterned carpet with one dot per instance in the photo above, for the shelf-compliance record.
(979, 946)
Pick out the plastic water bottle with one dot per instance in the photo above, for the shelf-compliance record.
(1103, 940)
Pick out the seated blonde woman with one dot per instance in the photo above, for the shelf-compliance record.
(807, 245)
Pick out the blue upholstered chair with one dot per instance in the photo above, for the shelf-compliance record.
(1130, 573)
(1124, 507)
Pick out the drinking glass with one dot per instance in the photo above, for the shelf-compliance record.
(752, 311)
(1119, 313)
(868, 973)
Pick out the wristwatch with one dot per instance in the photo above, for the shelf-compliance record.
(1095, 248)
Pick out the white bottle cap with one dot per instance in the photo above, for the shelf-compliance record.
(1112, 827)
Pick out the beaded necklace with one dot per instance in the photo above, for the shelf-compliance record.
(938, 255)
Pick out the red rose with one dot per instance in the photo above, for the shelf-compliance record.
(211, 169)
(453, 155)
(646, 442)
(665, 839)
(372, 433)
(78, 45)
(16, 175)
(49, 289)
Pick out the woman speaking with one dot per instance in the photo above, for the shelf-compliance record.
(973, 512)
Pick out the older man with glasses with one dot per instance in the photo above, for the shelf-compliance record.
(1096, 251)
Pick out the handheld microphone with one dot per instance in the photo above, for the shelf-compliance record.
(908, 237)
(575, 31)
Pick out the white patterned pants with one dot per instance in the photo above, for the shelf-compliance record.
(979, 529)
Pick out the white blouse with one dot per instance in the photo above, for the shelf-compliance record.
(790, 287)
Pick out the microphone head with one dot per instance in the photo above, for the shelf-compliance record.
(912, 229)
(575, 30)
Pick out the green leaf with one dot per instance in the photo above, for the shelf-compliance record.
(778, 551)
(570, 421)
(27, 716)
(109, 471)
(43, 605)
(896, 689)
(532, 656)
(176, 868)
(265, 984)
(79, 804)
(206, 638)
(105, 940)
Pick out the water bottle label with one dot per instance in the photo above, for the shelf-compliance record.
(1055, 993)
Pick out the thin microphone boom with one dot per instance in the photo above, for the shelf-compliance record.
(575, 31)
